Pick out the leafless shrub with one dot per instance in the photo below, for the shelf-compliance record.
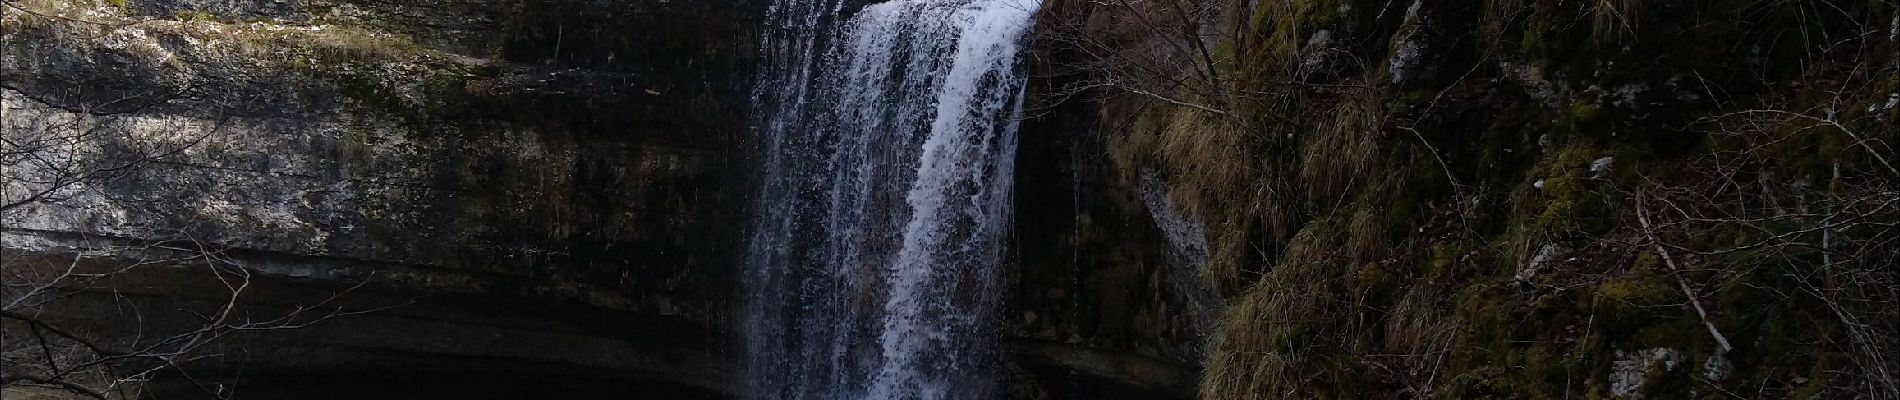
(1831, 233)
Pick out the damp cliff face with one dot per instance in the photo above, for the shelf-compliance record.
(538, 198)
(555, 177)
(1498, 199)
(1229, 199)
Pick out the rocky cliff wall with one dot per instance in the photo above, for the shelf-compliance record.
(538, 197)
(532, 176)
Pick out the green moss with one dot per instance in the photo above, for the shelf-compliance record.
(1533, 42)
(1516, 346)
(1586, 111)
(1569, 205)
(1444, 260)
(1408, 98)
(1510, 141)
(1280, 29)
(1635, 297)
(1373, 283)
(1552, 340)
(1551, 36)
(1537, 365)
(195, 16)
(1488, 319)
(318, 8)
(1487, 316)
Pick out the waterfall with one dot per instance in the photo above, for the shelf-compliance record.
(888, 152)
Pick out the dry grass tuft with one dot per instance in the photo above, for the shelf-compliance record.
(1613, 21)
(1282, 329)
(1341, 152)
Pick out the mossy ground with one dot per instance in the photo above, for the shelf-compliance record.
(1372, 237)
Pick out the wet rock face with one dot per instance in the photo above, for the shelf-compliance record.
(428, 148)
(1096, 309)
(533, 173)
(349, 141)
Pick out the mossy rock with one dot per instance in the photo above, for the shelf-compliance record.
(1587, 111)
(1633, 299)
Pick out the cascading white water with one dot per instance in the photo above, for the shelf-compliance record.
(884, 197)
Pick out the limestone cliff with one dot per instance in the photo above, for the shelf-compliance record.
(535, 197)
(548, 185)
(1229, 199)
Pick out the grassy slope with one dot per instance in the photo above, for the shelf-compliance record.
(1382, 239)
